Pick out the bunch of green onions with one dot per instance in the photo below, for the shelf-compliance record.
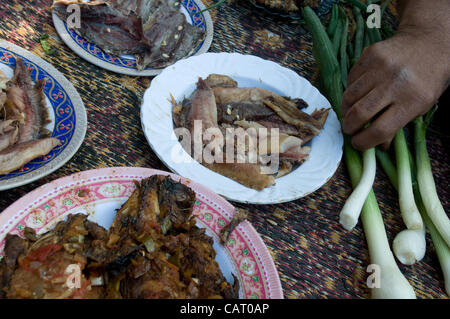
(419, 203)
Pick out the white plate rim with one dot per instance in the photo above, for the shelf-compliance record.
(80, 126)
(64, 35)
(17, 210)
(211, 63)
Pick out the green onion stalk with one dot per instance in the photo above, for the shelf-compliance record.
(426, 183)
(441, 247)
(409, 245)
(393, 284)
(408, 208)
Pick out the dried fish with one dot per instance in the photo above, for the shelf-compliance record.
(155, 31)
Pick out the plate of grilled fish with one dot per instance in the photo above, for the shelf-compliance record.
(42, 117)
(133, 37)
(247, 128)
(131, 233)
(292, 8)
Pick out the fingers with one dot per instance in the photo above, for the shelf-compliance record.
(364, 110)
(361, 66)
(356, 91)
(382, 129)
(385, 146)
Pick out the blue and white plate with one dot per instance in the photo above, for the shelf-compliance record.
(66, 110)
(126, 64)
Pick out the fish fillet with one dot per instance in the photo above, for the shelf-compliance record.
(18, 155)
(203, 107)
(30, 100)
(246, 174)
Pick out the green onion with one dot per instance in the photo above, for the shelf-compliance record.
(425, 180)
(410, 246)
(352, 209)
(325, 58)
(333, 20)
(410, 213)
(442, 249)
(359, 35)
(358, 4)
(337, 37)
(343, 51)
(45, 45)
(218, 3)
(383, 7)
(388, 166)
(393, 283)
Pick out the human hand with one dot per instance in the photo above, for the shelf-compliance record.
(392, 83)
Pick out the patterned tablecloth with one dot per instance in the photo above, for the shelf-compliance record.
(315, 257)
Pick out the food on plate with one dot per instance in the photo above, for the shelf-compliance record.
(154, 31)
(219, 104)
(240, 216)
(23, 116)
(284, 5)
(153, 249)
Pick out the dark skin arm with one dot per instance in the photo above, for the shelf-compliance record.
(400, 78)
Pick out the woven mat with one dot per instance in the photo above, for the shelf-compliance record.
(315, 257)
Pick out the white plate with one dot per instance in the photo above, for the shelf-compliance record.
(126, 64)
(249, 71)
(106, 189)
(66, 110)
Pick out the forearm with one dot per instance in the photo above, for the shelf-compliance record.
(425, 14)
(432, 19)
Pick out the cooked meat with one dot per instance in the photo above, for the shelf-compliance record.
(227, 95)
(203, 107)
(282, 5)
(246, 174)
(199, 262)
(299, 154)
(14, 247)
(9, 138)
(152, 250)
(285, 168)
(284, 128)
(18, 155)
(2, 86)
(30, 234)
(246, 110)
(251, 109)
(284, 108)
(176, 203)
(155, 31)
(292, 115)
(240, 216)
(96, 231)
(3, 83)
(23, 116)
(161, 223)
(220, 80)
(30, 100)
(154, 278)
(28, 280)
(7, 126)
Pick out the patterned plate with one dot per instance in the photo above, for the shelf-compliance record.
(248, 71)
(126, 64)
(105, 190)
(322, 8)
(66, 110)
